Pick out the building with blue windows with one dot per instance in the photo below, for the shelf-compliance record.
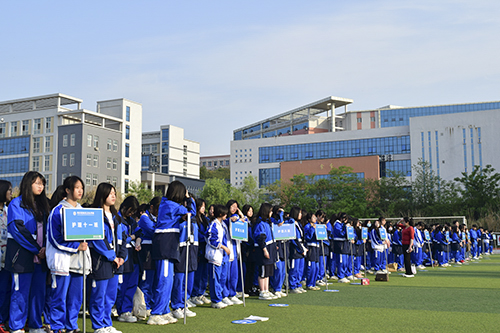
(452, 138)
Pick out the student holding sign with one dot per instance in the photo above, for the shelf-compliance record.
(278, 277)
(313, 253)
(65, 261)
(25, 257)
(341, 248)
(298, 252)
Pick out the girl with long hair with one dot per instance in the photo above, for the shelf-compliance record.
(201, 274)
(5, 276)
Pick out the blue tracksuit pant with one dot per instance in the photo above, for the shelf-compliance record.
(278, 278)
(331, 264)
(296, 272)
(200, 280)
(217, 278)
(102, 299)
(5, 290)
(65, 301)
(229, 288)
(178, 289)
(163, 287)
(27, 299)
(321, 268)
(125, 298)
(342, 264)
(146, 286)
(312, 269)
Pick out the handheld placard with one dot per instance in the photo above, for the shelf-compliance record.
(239, 232)
(383, 234)
(350, 233)
(321, 233)
(427, 235)
(285, 232)
(447, 234)
(364, 233)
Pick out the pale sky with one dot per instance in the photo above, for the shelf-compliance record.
(214, 66)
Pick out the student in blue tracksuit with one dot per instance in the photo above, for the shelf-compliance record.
(25, 256)
(324, 247)
(249, 255)
(267, 253)
(298, 252)
(359, 249)
(5, 276)
(129, 272)
(378, 248)
(368, 248)
(229, 290)
(107, 257)
(455, 245)
(179, 285)
(397, 247)
(144, 241)
(330, 264)
(312, 258)
(217, 254)
(201, 274)
(65, 261)
(473, 239)
(166, 248)
(440, 240)
(341, 248)
(276, 281)
(418, 243)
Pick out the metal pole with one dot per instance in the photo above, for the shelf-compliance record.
(84, 294)
(187, 263)
(430, 253)
(352, 261)
(286, 267)
(324, 265)
(238, 247)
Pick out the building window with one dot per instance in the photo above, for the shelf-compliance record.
(36, 163)
(25, 127)
(185, 161)
(2, 130)
(65, 140)
(37, 126)
(109, 145)
(115, 163)
(89, 140)
(204, 164)
(108, 179)
(164, 134)
(227, 162)
(127, 113)
(48, 144)
(372, 119)
(96, 161)
(126, 185)
(115, 181)
(108, 163)
(209, 163)
(72, 159)
(185, 150)
(126, 168)
(95, 179)
(89, 159)
(72, 140)
(127, 150)
(13, 128)
(115, 146)
(63, 177)
(127, 132)
(184, 172)
(359, 120)
(64, 160)
(47, 163)
(36, 145)
(88, 179)
(48, 125)
(96, 141)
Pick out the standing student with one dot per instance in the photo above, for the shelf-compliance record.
(251, 279)
(312, 258)
(397, 248)
(324, 247)
(278, 277)
(145, 232)
(359, 249)
(217, 254)
(65, 260)
(408, 236)
(267, 252)
(166, 248)
(129, 271)
(341, 248)
(107, 257)
(331, 260)
(25, 255)
(5, 276)
(201, 274)
(298, 252)
(378, 247)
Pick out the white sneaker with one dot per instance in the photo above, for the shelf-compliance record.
(334, 277)
(114, 312)
(236, 300)
(219, 305)
(156, 320)
(240, 295)
(350, 278)
(227, 301)
(265, 296)
(320, 283)
(421, 267)
(283, 294)
(204, 299)
(189, 313)
(178, 313)
(370, 271)
(35, 330)
(408, 275)
(344, 280)
(127, 317)
(302, 290)
(295, 291)
(111, 329)
(272, 295)
(169, 318)
(197, 300)
(190, 304)
(99, 330)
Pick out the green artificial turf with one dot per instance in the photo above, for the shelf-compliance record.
(455, 299)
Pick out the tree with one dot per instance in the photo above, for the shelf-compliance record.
(220, 173)
(249, 193)
(480, 190)
(390, 196)
(216, 191)
(140, 191)
(293, 193)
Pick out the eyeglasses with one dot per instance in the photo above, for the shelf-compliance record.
(39, 183)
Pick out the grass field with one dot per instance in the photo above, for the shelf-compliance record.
(455, 299)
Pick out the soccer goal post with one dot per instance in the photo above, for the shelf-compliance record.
(426, 218)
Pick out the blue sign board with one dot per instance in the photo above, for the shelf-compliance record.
(285, 232)
(239, 230)
(447, 236)
(427, 236)
(82, 224)
(321, 233)
(383, 233)
(364, 233)
(350, 233)
(463, 236)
